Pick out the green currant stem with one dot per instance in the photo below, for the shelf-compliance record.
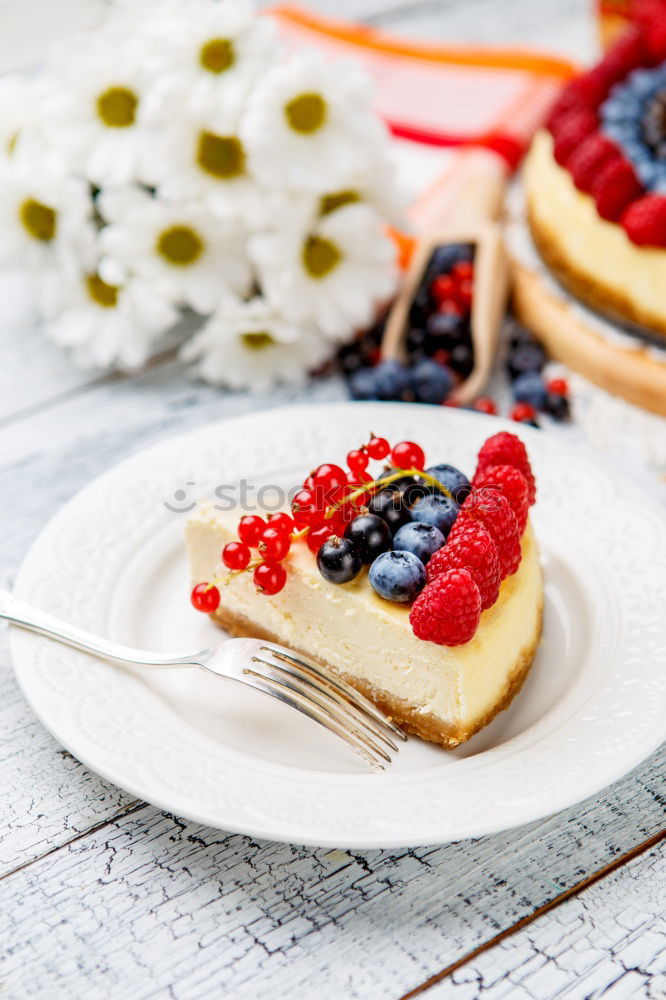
(378, 484)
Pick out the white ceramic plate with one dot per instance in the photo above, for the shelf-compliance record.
(113, 561)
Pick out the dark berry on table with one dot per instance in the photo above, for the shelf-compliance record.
(484, 404)
(455, 481)
(206, 598)
(416, 338)
(362, 384)
(391, 379)
(446, 256)
(390, 506)
(530, 388)
(438, 510)
(339, 560)
(462, 360)
(397, 576)
(431, 382)
(447, 329)
(371, 535)
(519, 336)
(422, 540)
(558, 407)
(526, 358)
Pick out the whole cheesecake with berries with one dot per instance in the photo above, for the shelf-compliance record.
(595, 178)
(419, 587)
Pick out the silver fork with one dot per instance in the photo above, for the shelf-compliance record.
(265, 666)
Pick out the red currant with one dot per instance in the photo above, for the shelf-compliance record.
(305, 509)
(450, 306)
(356, 478)
(250, 528)
(522, 412)
(235, 555)
(282, 522)
(328, 478)
(463, 270)
(274, 544)
(408, 455)
(378, 448)
(441, 356)
(309, 483)
(357, 460)
(464, 294)
(205, 597)
(558, 386)
(443, 287)
(270, 577)
(316, 538)
(485, 405)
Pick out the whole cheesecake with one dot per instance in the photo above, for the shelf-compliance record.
(595, 179)
(444, 693)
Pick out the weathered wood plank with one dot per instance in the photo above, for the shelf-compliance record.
(608, 941)
(168, 908)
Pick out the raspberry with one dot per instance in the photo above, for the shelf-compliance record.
(569, 129)
(586, 91)
(447, 611)
(511, 483)
(626, 54)
(586, 161)
(471, 548)
(614, 187)
(650, 15)
(507, 449)
(494, 512)
(645, 221)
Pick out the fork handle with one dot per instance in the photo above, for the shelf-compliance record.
(32, 618)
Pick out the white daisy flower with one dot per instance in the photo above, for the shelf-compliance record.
(206, 159)
(190, 256)
(213, 52)
(17, 110)
(45, 215)
(96, 108)
(336, 275)
(251, 345)
(103, 324)
(309, 124)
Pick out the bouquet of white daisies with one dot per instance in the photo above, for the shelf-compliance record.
(176, 162)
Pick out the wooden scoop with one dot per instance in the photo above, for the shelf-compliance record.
(462, 207)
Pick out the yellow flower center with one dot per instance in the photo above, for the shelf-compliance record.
(320, 256)
(306, 113)
(39, 220)
(221, 156)
(117, 107)
(329, 202)
(217, 55)
(102, 294)
(180, 245)
(258, 340)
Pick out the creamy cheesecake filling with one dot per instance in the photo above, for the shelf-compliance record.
(369, 640)
(598, 251)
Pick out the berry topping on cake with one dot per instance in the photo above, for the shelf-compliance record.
(438, 510)
(452, 479)
(471, 548)
(494, 512)
(338, 560)
(586, 161)
(371, 536)
(448, 610)
(615, 187)
(422, 540)
(270, 577)
(397, 576)
(507, 449)
(205, 597)
(570, 129)
(645, 221)
(511, 483)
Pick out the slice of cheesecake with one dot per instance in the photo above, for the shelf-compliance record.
(443, 694)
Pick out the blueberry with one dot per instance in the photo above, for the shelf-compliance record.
(362, 384)
(529, 388)
(415, 338)
(431, 382)
(390, 506)
(445, 256)
(338, 560)
(462, 360)
(370, 534)
(447, 328)
(391, 379)
(351, 361)
(437, 510)
(455, 481)
(519, 336)
(422, 540)
(558, 407)
(397, 576)
(526, 358)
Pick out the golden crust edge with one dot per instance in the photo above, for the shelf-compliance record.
(427, 727)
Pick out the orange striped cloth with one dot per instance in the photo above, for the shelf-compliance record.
(442, 96)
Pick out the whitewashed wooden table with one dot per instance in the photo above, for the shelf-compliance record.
(103, 896)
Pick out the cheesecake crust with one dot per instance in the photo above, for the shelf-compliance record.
(428, 727)
(602, 298)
